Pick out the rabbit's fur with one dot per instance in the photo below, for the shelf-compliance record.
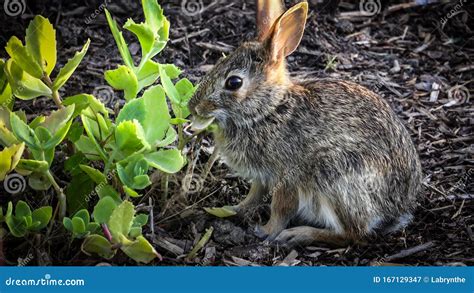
(329, 152)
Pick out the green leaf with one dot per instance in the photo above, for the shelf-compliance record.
(58, 119)
(123, 78)
(145, 36)
(79, 192)
(39, 181)
(43, 134)
(93, 128)
(103, 209)
(43, 216)
(67, 222)
(16, 226)
(130, 137)
(84, 215)
(22, 57)
(121, 44)
(58, 137)
(133, 172)
(151, 111)
(140, 250)
(25, 86)
(75, 131)
(153, 14)
(6, 94)
(71, 65)
(130, 192)
(223, 212)
(135, 232)
(33, 165)
(96, 244)
(83, 101)
(41, 43)
(169, 87)
(185, 89)
(22, 209)
(6, 135)
(168, 161)
(169, 138)
(9, 158)
(121, 219)
(87, 147)
(172, 71)
(92, 227)
(140, 220)
(58, 124)
(148, 74)
(94, 174)
(78, 225)
(23, 132)
(108, 190)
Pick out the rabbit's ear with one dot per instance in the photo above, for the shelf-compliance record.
(268, 11)
(288, 32)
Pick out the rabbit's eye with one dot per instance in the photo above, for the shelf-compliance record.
(233, 83)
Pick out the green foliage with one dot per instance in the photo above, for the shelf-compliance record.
(24, 221)
(125, 230)
(80, 225)
(109, 154)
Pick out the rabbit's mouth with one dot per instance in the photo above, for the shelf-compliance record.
(201, 123)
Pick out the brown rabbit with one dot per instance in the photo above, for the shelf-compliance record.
(330, 152)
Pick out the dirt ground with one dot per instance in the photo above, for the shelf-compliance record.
(418, 58)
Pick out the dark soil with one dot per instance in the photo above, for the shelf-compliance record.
(415, 57)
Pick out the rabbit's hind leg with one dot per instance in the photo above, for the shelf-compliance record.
(306, 235)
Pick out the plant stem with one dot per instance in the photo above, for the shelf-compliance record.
(181, 139)
(164, 189)
(110, 161)
(56, 97)
(106, 231)
(60, 193)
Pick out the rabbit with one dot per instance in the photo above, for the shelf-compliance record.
(331, 153)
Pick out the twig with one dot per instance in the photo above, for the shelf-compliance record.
(410, 251)
(152, 220)
(191, 35)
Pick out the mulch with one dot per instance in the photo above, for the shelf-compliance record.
(419, 58)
